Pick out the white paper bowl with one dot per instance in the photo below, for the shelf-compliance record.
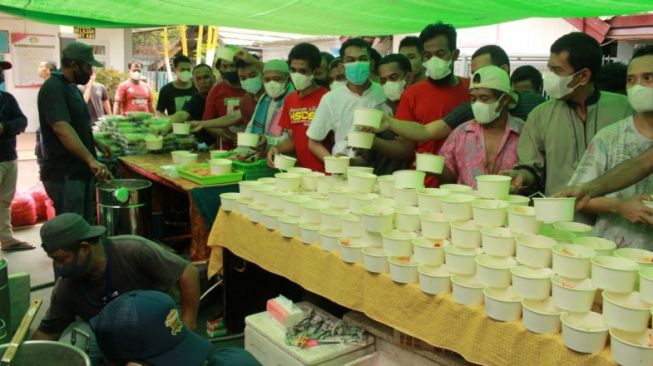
(377, 219)
(360, 181)
(189, 158)
(614, 274)
(409, 179)
(154, 143)
(467, 290)
(368, 117)
(375, 260)
(299, 170)
(434, 279)
(465, 234)
(572, 295)
(532, 283)
(309, 232)
(631, 349)
(397, 243)
(288, 226)
(627, 312)
(325, 183)
(271, 218)
(490, 213)
(374, 239)
(517, 200)
(646, 284)
(336, 164)
(407, 218)
(493, 186)
(550, 210)
(288, 182)
(405, 197)
(309, 181)
(403, 269)
(176, 155)
(572, 261)
(428, 199)
(339, 197)
(457, 206)
(457, 188)
(352, 227)
(351, 250)
(359, 200)
(494, 271)
(534, 250)
(435, 225)
(332, 218)
(229, 201)
(429, 251)
(361, 140)
(218, 154)
(573, 229)
(329, 239)
(260, 193)
(460, 260)
(245, 139)
(242, 206)
(386, 186)
(360, 169)
(584, 333)
(276, 198)
(644, 258)
(600, 245)
(502, 304)
(521, 220)
(292, 205)
(181, 128)
(256, 212)
(541, 316)
(498, 241)
(312, 210)
(429, 163)
(283, 162)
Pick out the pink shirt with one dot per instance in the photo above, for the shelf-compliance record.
(133, 97)
(464, 150)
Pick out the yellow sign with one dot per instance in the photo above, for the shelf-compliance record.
(85, 32)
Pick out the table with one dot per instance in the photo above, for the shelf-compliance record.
(204, 201)
(437, 320)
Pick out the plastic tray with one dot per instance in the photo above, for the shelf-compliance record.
(209, 180)
(255, 170)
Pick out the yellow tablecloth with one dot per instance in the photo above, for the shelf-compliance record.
(437, 320)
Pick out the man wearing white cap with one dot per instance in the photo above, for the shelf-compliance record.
(488, 143)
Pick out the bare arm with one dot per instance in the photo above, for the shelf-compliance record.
(180, 117)
(87, 92)
(400, 149)
(417, 132)
(116, 108)
(222, 122)
(150, 107)
(107, 107)
(318, 149)
(42, 336)
(632, 209)
(623, 175)
(189, 287)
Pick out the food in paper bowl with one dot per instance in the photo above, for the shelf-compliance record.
(534, 250)
(429, 251)
(572, 261)
(490, 213)
(644, 258)
(573, 295)
(352, 226)
(283, 162)
(361, 182)
(358, 200)
(600, 245)
(584, 332)
(309, 180)
(405, 197)
(332, 218)
(351, 250)
(377, 219)
(434, 279)
(541, 316)
(407, 218)
(330, 239)
(375, 260)
(502, 304)
(614, 274)
(386, 186)
(631, 349)
(521, 220)
(626, 311)
(403, 269)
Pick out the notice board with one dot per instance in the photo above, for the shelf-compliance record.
(28, 50)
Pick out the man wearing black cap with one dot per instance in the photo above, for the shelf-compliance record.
(69, 159)
(93, 270)
(143, 327)
(12, 122)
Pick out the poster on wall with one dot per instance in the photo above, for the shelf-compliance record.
(28, 50)
(4, 41)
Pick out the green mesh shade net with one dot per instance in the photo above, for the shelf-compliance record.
(320, 17)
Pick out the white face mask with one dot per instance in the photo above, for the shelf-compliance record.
(556, 86)
(184, 76)
(394, 89)
(437, 68)
(252, 85)
(337, 84)
(641, 98)
(135, 75)
(485, 113)
(301, 81)
(274, 89)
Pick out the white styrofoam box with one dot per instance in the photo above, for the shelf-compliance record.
(265, 339)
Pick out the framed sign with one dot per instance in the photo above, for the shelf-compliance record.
(85, 32)
(28, 50)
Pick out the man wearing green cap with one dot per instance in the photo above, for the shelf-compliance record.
(70, 165)
(94, 269)
(488, 143)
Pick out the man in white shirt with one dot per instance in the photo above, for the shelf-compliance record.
(336, 110)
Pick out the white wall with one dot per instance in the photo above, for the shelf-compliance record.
(271, 52)
(116, 41)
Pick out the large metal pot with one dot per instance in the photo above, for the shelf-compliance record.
(124, 206)
(48, 353)
(5, 305)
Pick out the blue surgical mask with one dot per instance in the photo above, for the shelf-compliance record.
(357, 73)
(73, 270)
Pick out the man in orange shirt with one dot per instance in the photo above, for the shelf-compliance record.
(441, 92)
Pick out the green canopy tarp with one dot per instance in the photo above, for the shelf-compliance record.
(320, 17)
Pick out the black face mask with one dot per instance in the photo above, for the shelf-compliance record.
(2, 77)
(323, 83)
(81, 77)
(231, 77)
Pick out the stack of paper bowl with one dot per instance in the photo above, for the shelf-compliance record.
(584, 332)
(429, 251)
(572, 261)
(541, 316)
(498, 241)
(428, 199)
(502, 304)
(434, 279)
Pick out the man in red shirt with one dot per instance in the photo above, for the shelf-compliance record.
(441, 92)
(300, 106)
(133, 95)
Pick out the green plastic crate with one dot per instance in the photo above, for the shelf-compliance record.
(255, 170)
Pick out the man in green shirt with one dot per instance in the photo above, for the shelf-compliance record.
(557, 132)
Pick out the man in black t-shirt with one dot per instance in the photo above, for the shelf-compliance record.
(175, 94)
(70, 166)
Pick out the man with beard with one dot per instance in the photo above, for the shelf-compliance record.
(70, 164)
